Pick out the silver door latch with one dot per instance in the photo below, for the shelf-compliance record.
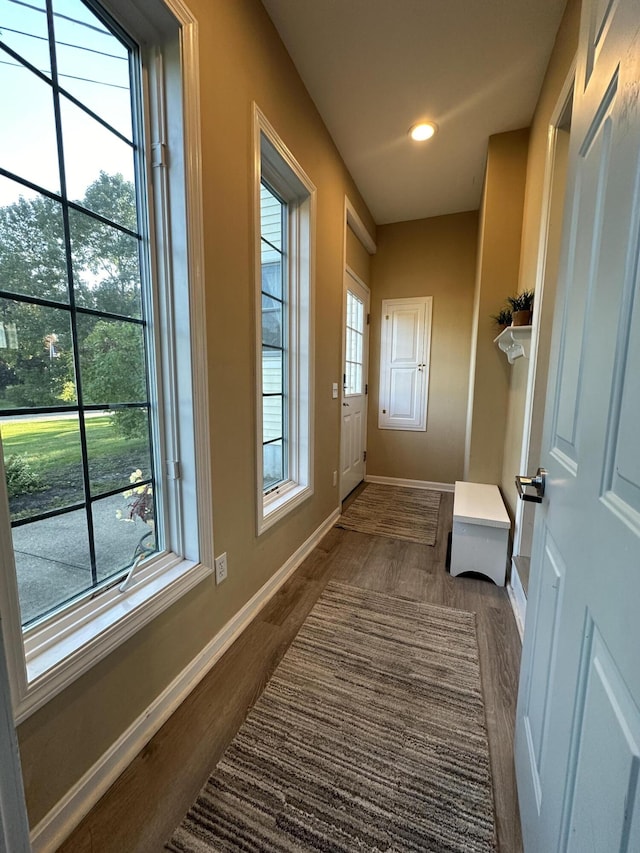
(538, 483)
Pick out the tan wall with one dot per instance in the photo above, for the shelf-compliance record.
(241, 60)
(358, 258)
(497, 278)
(533, 268)
(428, 257)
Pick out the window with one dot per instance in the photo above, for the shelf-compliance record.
(354, 349)
(273, 250)
(99, 471)
(285, 209)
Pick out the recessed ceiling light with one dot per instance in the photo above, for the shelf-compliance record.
(423, 130)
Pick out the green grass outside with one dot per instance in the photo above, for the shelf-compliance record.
(51, 447)
(52, 444)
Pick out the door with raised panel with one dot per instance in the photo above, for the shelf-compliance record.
(355, 340)
(404, 363)
(578, 717)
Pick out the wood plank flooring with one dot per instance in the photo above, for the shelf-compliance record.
(141, 809)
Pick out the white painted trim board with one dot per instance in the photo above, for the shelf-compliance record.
(409, 484)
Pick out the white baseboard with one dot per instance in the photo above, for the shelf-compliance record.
(58, 824)
(410, 484)
(518, 600)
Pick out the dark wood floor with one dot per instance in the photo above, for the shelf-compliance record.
(140, 811)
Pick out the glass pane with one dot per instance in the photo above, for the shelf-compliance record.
(36, 356)
(271, 321)
(124, 528)
(106, 267)
(270, 217)
(357, 347)
(28, 145)
(52, 562)
(93, 65)
(32, 256)
(272, 371)
(93, 156)
(271, 271)
(43, 463)
(111, 361)
(350, 315)
(351, 347)
(357, 381)
(23, 27)
(348, 384)
(357, 313)
(117, 447)
(353, 384)
(272, 425)
(273, 469)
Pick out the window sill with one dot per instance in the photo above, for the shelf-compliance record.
(276, 506)
(60, 650)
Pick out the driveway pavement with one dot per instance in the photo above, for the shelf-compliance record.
(52, 556)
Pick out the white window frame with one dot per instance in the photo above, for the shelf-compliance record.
(45, 658)
(276, 164)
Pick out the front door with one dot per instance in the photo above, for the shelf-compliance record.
(578, 718)
(354, 385)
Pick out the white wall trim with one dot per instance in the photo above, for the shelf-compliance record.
(563, 101)
(518, 602)
(14, 828)
(58, 824)
(353, 220)
(410, 484)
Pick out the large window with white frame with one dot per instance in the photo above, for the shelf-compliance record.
(101, 504)
(285, 210)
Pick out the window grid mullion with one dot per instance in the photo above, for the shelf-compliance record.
(71, 295)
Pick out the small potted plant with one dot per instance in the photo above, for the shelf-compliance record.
(140, 505)
(521, 308)
(502, 319)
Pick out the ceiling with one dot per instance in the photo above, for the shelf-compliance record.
(375, 67)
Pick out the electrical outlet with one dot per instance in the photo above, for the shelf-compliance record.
(335, 478)
(221, 568)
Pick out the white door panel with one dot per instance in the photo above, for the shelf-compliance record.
(354, 397)
(403, 400)
(404, 363)
(578, 718)
(407, 333)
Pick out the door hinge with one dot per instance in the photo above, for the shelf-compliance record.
(368, 319)
(364, 455)
(366, 389)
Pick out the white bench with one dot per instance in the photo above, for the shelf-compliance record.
(480, 531)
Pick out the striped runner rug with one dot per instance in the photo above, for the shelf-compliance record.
(394, 511)
(370, 736)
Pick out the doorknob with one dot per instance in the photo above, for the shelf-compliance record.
(538, 483)
(345, 404)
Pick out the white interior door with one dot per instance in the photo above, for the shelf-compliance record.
(355, 342)
(404, 363)
(578, 718)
